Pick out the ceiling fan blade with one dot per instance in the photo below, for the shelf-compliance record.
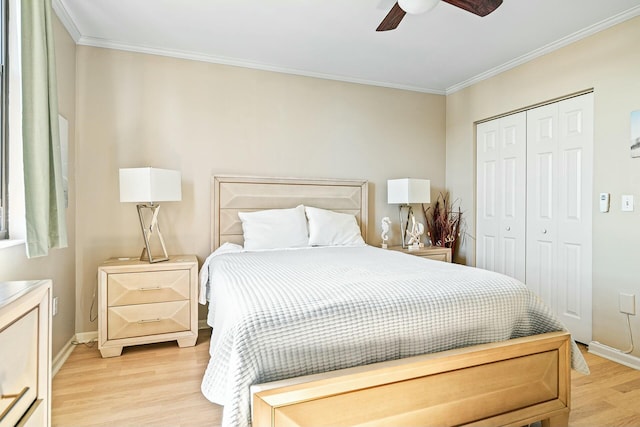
(477, 7)
(393, 18)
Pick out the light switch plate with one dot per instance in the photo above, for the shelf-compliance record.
(627, 203)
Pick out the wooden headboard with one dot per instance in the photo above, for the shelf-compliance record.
(233, 194)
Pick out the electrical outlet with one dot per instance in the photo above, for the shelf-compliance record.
(54, 309)
(627, 303)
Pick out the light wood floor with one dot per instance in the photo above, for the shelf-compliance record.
(159, 385)
(149, 385)
(609, 396)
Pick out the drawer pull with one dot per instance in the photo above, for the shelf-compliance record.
(156, 288)
(16, 398)
(149, 320)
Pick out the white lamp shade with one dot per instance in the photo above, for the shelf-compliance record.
(415, 7)
(408, 190)
(150, 185)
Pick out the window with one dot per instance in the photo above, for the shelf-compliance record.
(3, 127)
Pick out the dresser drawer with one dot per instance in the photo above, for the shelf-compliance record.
(25, 353)
(148, 319)
(147, 287)
(18, 367)
(36, 416)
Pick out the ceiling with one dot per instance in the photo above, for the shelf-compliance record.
(439, 52)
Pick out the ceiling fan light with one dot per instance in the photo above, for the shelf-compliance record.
(415, 7)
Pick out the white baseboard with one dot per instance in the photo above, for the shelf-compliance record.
(86, 337)
(612, 354)
(62, 357)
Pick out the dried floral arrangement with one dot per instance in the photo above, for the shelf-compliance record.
(444, 223)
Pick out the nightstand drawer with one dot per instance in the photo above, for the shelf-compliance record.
(436, 253)
(437, 257)
(147, 287)
(148, 319)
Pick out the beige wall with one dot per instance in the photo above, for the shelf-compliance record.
(60, 264)
(608, 62)
(205, 119)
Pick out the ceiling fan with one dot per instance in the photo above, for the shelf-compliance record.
(402, 7)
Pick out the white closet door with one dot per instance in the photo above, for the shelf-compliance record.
(559, 188)
(575, 215)
(501, 151)
(542, 199)
(488, 196)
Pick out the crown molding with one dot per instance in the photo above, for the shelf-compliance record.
(586, 32)
(71, 27)
(194, 56)
(66, 19)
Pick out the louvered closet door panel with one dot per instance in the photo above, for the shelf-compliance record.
(542, 191)
(501, 150)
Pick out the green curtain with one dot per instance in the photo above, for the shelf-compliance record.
(44, 197)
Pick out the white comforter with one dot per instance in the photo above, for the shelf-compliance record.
(283, 314)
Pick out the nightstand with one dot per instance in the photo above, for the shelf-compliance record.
(142, 303)
(432, 252)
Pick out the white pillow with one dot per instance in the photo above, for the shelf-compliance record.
(328, 228)
(275, 228)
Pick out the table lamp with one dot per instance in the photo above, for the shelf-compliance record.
(404, 192)
(147, 186)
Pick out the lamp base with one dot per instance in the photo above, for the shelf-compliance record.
(149, 232)
(404, 225)
(144, 256)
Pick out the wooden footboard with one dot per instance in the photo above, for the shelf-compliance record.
(515, 382)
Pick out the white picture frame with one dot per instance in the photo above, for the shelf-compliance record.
(635, 133)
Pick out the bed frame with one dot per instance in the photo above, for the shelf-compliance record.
(233, 194)
(515, 382)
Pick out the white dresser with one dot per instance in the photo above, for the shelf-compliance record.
(25, 353)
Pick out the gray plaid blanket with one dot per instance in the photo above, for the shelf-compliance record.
(284, 314)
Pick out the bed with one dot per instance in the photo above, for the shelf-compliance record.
(314, 336)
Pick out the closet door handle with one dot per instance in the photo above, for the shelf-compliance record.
(544, 231)
(508, 228)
